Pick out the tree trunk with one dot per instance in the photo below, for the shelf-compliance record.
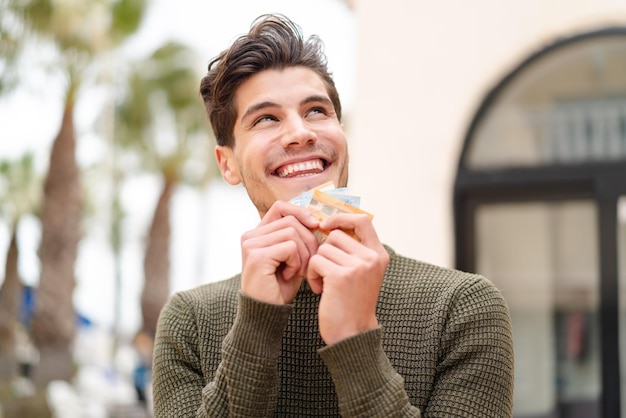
(54, 321)
(10, 303)
(157, 262)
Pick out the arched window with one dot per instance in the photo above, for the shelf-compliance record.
(540, 209)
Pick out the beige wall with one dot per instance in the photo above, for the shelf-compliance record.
(423, 70)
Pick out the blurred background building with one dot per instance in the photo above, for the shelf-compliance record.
(488, 136)
(491, 136)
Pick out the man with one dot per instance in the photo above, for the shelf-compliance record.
(344, 327)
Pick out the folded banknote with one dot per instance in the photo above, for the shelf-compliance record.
(326, 200)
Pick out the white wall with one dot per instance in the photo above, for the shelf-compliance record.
(423, 70)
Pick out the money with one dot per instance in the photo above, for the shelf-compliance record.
(326, 200)
(340, 193)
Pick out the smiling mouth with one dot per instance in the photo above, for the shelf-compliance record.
(301, 169)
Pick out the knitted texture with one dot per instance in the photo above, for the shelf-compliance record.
(444, 349)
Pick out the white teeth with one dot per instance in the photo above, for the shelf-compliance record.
(305, 167)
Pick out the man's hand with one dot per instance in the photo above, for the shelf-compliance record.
(275, 254)
(348, 273)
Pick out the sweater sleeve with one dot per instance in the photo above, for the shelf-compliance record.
(475, 367)
(366, 383)
(246, 380)
(474, 375)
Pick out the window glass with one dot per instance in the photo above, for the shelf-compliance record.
(565, 107)
(544, 258)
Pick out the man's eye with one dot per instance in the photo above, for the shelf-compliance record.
(317, 111)
(264, 118)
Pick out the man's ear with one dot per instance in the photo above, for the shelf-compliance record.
(227, 163)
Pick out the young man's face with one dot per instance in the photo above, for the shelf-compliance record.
(287, 137)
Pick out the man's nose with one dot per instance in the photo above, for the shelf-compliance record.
(298, 132)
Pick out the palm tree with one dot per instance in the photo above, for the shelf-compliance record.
(162, 119)
(79, 31)
(19, 197)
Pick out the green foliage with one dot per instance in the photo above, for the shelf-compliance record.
(20, 188)
(79, 30)
(10, 35)
(161, 116)
(126, 18)
(88, 26)
(170, 71)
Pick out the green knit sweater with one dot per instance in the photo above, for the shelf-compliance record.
(444, 349)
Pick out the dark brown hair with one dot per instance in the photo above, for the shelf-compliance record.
(273, 42)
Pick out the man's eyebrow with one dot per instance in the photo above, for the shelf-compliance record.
(256, 107)
(317, 98)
